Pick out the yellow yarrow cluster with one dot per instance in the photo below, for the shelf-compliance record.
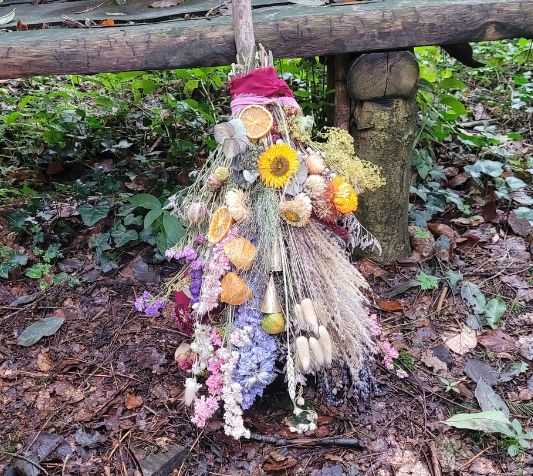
(340, 156)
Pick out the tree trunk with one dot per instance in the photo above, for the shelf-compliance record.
(383, 86)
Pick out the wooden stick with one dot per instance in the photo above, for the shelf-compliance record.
(243, 28)
(344, 442)
(342, 97)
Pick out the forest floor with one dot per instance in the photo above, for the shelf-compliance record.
(102, 390)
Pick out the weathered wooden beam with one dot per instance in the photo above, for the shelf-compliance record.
(289, 31)
(383, 86)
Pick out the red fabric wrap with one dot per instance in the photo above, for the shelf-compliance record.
(260, 82)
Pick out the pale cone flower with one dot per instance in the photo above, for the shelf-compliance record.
(315, 186)
(314, 163)
(196, 213)
(236, 203)
(304, 355)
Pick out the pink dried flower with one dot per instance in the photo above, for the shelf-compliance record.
(389, 353)
(204, 409)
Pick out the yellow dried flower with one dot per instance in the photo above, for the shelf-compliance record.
(343, 195)
(277, 165)
(296, 212)
(340, 157)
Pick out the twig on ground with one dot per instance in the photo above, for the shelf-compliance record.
(434, 458)
(471, 460)
(330, 441)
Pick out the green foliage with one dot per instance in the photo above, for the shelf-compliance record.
(406, 359)
(495, 421)
(427, 281)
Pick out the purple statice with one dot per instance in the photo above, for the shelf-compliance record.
(149, 305)
(186, 253)
(257, 357)
(196, 272)
(199, 240)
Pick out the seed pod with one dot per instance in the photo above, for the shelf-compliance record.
(309, 314)
(304, 356)
(325, 343)
(316, 351)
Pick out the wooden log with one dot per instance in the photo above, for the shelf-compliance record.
(243, 28)
(383, 86)
(342, 98)
(289, 31)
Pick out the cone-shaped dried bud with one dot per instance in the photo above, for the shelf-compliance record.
(271, 303)
(304, 354)
(325, 343)
(196, 213)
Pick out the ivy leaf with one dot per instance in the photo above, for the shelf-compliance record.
(152, 216)
(427, 281)
(487, 167)
(515, 183)
(454, 277)
(122, 235)
(494, 310)
(173, 228)
(145, 200)
(16, 259)
(100, 242)
(92, 214)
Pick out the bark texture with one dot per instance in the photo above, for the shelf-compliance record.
(164, 38)
(383, 86)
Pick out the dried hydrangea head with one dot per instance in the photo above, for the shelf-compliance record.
(277, 165)
(343, 195)
(315, 186)
(296, 212)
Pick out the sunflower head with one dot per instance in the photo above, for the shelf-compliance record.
(343, 195)
(277, 165)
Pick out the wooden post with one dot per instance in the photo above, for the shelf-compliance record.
(384, 86)
(243, 28)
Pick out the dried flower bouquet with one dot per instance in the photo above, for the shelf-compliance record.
(267, 285)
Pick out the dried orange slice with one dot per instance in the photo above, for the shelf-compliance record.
(219, 225)
(257, 120)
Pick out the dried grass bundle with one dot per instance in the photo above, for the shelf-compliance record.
(321, 271)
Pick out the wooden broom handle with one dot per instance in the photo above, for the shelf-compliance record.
(243, 27)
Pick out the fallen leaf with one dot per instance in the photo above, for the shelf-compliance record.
(521, 227)
(488, 399)
(400, 288)
(477, 370)
(166, 3)
(132, 401)
(484, 421)
(497, 341)
(512, 370)
(390, 306)
(525, 347)
(44, 362)
(463, 342)
(107, 22)
(22, 26)
(441, 229)
(370, 268)
(36, 331)
(429, 359)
